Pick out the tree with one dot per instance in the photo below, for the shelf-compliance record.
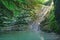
(57, 13)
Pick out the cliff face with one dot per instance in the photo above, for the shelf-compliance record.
(19, 13)
(50, 23)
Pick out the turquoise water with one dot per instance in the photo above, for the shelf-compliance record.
(28, 36)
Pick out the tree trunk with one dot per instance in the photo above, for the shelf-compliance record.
(57, 13)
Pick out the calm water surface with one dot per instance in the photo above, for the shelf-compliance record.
(28, 36)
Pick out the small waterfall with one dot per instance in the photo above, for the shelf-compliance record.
(41, 15)
(34, 27)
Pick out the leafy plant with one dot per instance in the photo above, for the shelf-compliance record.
(17, 12)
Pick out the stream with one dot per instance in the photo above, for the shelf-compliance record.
(29, 36)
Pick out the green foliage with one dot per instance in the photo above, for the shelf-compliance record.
(17, 5)
(5, 16)
(43, 1)
(17, 12)
(50, 24)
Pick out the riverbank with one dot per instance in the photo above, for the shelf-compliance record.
(47, 29)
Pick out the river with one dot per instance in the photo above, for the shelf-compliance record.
(28, 36)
